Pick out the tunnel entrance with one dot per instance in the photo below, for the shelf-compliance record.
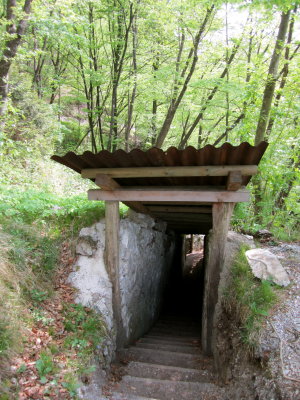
(183, 297)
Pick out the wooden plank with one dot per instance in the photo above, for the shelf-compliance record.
(107, 183)
(214, 255)
(179, 209)
(200, 229)
(169, 172)
(188, 232)
(167, 195)
(184, 217)
(112, 228)
(177, 203)
(234, 180)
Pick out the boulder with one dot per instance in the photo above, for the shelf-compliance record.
(265, 265)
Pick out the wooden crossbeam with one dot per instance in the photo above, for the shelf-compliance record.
(180, 209)
(144, 195)
(169, 172)
(109, 184)
(183, 217)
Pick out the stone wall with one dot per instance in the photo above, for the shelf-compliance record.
(146, 253)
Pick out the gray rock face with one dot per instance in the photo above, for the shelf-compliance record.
(265, 265)
(146, 253)
(145, 259)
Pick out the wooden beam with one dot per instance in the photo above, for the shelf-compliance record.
(180, 209)
(106, 182)
(109, 184)
(188, 231)
(234, 180)
(169, 172)
(184, 217)
(112, 228)
(144, 195)
(214, 256)
(178, 203)
(202, 230)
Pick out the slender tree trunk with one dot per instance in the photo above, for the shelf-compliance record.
(118, 52)
(15, 30)
(266, 106)
(188, 134)
(285, 191)
(285, 72)
(175, 103)
(133, 93)
(271, 79)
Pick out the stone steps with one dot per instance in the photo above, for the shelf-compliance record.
(169, 347)
(175, 331)
(167, 364)
(160, 341)
(161, 357)
(165, 372)
(174, 338)
(127, 396)
(169, 390)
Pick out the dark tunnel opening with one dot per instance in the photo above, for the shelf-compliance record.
(183, 296)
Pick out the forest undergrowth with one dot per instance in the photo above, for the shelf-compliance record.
(92, 75)
(46, 340)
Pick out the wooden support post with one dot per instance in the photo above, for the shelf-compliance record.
(112, 228)
(214, 261)
(234, 180)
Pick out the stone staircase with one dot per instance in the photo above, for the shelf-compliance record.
(167, 364)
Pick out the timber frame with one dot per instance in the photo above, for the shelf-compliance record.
(193, 191)
(181, 216)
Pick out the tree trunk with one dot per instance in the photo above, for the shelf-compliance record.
(271, 79)
(175, 103)
(285, 72)
(131, 98)
(188, 134)
(15, 30)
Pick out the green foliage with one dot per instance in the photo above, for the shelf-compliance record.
(45, 366)
(86, 327)
(71, 384)
(248, 299)
(43, 208)
(5, 337)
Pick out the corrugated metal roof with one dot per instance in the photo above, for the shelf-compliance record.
(227, 154)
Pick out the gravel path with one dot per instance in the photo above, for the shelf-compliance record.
(280, 341)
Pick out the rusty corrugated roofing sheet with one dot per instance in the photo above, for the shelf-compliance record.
(181, 221)
(244, 154)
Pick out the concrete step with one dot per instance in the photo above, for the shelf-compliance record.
(173, 338)
(165, 372)
(175, 332)
(127, 396)
(161, 357)
(154, 341)
(183, 324)
(177, 348)
(179, 321)
(170, 390)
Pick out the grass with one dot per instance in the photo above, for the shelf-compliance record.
(248, 299)
(33, 225)
(11, 302)
(86, 332)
